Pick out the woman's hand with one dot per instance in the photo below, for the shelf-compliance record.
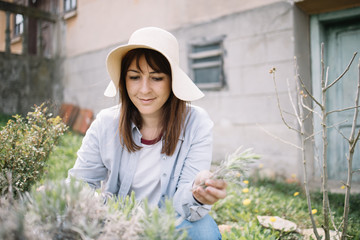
(214, 189)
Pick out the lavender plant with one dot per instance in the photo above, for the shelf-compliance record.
(235, 167)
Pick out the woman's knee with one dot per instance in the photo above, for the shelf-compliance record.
(203, 229)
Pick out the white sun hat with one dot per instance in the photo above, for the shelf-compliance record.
(165, 43)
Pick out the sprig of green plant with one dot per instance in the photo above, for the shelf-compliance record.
(160, 224)
(233, 168)
(236, 164)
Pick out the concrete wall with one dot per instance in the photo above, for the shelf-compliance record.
(255, 41)
(28, 80)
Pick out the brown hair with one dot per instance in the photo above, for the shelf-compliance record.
(174, 109)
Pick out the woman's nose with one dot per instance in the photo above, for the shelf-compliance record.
(145, 84)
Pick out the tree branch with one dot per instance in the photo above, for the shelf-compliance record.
(308, 93)
(278, 138)
(347, 69)
(272, 71)
(342, 110)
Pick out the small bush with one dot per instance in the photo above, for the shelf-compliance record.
(25, 145)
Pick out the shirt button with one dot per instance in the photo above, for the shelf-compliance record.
(163, 158)
(164, 174)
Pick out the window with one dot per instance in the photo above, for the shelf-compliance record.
(19, 25)
(70, 5)
(206, 61)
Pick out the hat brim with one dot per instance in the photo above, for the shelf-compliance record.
(182, 86)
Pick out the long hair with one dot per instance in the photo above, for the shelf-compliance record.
(174, 109)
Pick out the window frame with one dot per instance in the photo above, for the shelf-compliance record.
(18, 26)
(71, 8)
(220, 52)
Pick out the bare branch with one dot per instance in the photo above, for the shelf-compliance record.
(341, 110)
(308, 93)
(308, 108)
(272, 71)
(327, 76)
(357, 170)
(338, 130)
(327, 127)
(352, 144)
(278, 138)
(347, 69)
(289, 113)
(292, 103)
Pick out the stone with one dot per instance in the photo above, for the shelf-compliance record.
(277, 223)
(224, 228)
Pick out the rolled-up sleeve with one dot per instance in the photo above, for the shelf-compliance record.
(198, 158)
(89, 166)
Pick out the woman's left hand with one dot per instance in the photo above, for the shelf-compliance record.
(215, 188)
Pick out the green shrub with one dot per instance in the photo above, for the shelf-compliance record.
(25, 145)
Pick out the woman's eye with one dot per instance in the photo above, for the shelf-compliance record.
(158, 78)
(134, 77)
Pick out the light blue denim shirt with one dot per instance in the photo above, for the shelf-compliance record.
(102, 158)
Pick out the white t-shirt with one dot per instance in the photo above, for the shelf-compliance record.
(146, 182)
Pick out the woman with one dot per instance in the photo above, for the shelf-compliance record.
(154, 143)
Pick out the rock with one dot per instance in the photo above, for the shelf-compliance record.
(307, 233)
(277, 223)
(224, 228)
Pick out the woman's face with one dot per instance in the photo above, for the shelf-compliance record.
(148, 90)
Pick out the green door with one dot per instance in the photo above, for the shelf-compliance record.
(342, 39)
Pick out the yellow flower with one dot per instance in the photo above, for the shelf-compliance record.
(245, 190)
(314, 211)
(246, 202)
(342, 187)
(296, 193)
(238, 174)
(293, 175)
(246, 181)
(272, 219)
(261, 165)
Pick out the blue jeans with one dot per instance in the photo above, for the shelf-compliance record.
(204, 229)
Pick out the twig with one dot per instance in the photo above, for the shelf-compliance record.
(347, 69)
(327, 127)
(289, 113)
(296, 114)
(278, 138)
(341, 110)
(308, 93)
(338, 130)
(352, 143)
(327, 76)
(272, 71)
(308, 108)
